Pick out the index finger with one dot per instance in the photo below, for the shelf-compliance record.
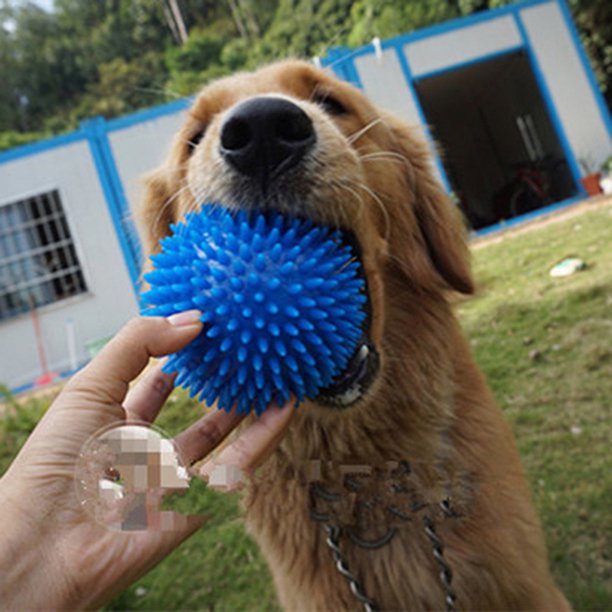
(250, 449)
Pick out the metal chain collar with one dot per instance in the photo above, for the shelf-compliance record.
(335, 532)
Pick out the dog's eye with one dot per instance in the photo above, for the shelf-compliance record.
(194, 141)
(330, 105)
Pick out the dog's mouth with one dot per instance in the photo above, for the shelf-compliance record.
(350, 385)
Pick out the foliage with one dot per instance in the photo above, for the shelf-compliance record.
(558, 406)
(606, 167)
(200, 59)
(17, 420)
(203, 48)
(111, 57)
(11, 138)
(594, 21)
(123, 86)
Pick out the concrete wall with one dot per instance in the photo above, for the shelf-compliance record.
(542, 29)
(567, 82)
(140, 148)
(98, 191)
(110, 299)
(461, 46)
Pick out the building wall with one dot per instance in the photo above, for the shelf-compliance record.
(461, 46)
(568, 84)
(110, 299)
(542, 28)
(98, 169)
(139, 148)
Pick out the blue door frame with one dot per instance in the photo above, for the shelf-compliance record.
(342, 62)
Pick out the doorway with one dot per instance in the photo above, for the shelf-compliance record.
(498, 144)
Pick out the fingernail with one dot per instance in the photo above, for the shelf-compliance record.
(182, 319)
(222, 477)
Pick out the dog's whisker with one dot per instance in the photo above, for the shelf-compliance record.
(357, 135)
(166, 205)
(383, 156)
(345, 186)
(168, 93)
(380, 204)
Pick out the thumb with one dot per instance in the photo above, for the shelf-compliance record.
(109, 374)
(93, 398)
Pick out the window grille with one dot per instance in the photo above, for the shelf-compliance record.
(38, 261)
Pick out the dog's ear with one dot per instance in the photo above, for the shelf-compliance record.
(441, 229)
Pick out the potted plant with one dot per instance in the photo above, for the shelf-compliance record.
(606, 176)
(592, 176)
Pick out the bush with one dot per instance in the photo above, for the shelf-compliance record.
(202, 49)
(11, 139)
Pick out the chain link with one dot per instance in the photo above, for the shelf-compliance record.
(333, 537)
(445, 573)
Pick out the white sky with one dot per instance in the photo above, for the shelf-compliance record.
(47, 5)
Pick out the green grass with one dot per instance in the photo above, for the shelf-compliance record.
(559, 403)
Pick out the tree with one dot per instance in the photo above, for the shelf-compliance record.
(114, 56)
(594, 21)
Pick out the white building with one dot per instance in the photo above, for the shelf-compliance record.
(507, 94)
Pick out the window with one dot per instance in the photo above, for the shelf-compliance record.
(38, 261)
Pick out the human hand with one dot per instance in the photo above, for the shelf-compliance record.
(52, 553)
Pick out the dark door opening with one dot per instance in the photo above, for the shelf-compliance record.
(498, 145)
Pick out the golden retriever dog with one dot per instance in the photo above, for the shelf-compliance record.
(399, 487)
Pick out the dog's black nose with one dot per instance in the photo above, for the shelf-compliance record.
(265, 136)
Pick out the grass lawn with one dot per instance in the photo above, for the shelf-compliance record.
(545, 345)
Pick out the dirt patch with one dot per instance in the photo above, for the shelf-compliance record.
(596, 202)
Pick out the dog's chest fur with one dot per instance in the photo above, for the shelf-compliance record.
(494, 547)
(400, 570)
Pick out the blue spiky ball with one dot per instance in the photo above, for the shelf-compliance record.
(282, 302)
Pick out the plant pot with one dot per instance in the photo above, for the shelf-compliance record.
(591, 184)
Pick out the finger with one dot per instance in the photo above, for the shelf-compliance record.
(205, 435)
(146, 398)
(108, 375)
(251, 448)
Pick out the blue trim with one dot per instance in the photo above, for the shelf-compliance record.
(340, 60)
(502, 225)
(155, 112)
(467, 64)
(550, 106)
(116, 201)
(22, 388)
(586, 65)
(46, 144)
(353, 76)
(422, 118)
(60, 376)
(41, 146)
(449, 26)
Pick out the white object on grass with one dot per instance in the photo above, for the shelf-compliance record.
(567, 267)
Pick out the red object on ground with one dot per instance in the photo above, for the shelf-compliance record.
(591, 184)
(45, 379)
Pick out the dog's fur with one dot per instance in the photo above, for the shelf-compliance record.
(429, 405)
